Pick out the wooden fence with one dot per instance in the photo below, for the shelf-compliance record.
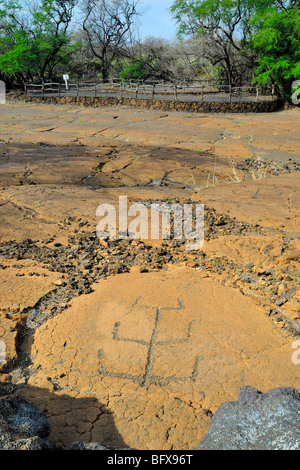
(199, 91)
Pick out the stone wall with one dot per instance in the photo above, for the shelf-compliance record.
(163, 105)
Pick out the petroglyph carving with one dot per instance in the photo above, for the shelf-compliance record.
(148, 377)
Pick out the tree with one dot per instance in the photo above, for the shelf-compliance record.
(248, 40)
(154, 58)
(35, 42)
(133, 70)
(160, 59)
(225, 26)
(51, 23)
(13, 40)
(108, 25)
(277, 41)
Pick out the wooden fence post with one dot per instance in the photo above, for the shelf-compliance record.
(202, 93)
(257, 93)
(176, 94)
(153, 91)
(230, 93)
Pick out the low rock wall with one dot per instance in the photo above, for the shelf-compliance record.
(164, 105)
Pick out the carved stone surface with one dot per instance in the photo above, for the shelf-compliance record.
(144, 360)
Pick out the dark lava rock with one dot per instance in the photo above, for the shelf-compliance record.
(22, 425)
(78, 445)
(257, 421)
(22, 419)
(34, 443)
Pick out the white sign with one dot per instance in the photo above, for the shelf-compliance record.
(66, 78)
(2, 93)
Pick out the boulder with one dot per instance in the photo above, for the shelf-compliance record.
(78, 445)
(256, 421)
(22, 425)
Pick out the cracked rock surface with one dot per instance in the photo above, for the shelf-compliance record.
(152, 352)
(137, 343)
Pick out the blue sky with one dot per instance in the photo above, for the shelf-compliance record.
(156, 21)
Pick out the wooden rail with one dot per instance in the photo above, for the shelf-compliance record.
(156, 89)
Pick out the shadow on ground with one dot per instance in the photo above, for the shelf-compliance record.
(94, 422)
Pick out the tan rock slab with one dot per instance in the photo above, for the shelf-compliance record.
(247, 248)
(22, 284)
(18, 223)
(154, 352)
(38, 212)
(234, 136)
(154, 166)
(269, 202)
(25, 163)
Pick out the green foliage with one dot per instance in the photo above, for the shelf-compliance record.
(200, 16)
(223, 28)
(267, 30)
(33, 47)
(17, 53)
(133, 70)
(243, 39)
(277, 40)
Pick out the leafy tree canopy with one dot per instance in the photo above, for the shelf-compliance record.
(267, 32)
(34, 43)
(277, 42)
